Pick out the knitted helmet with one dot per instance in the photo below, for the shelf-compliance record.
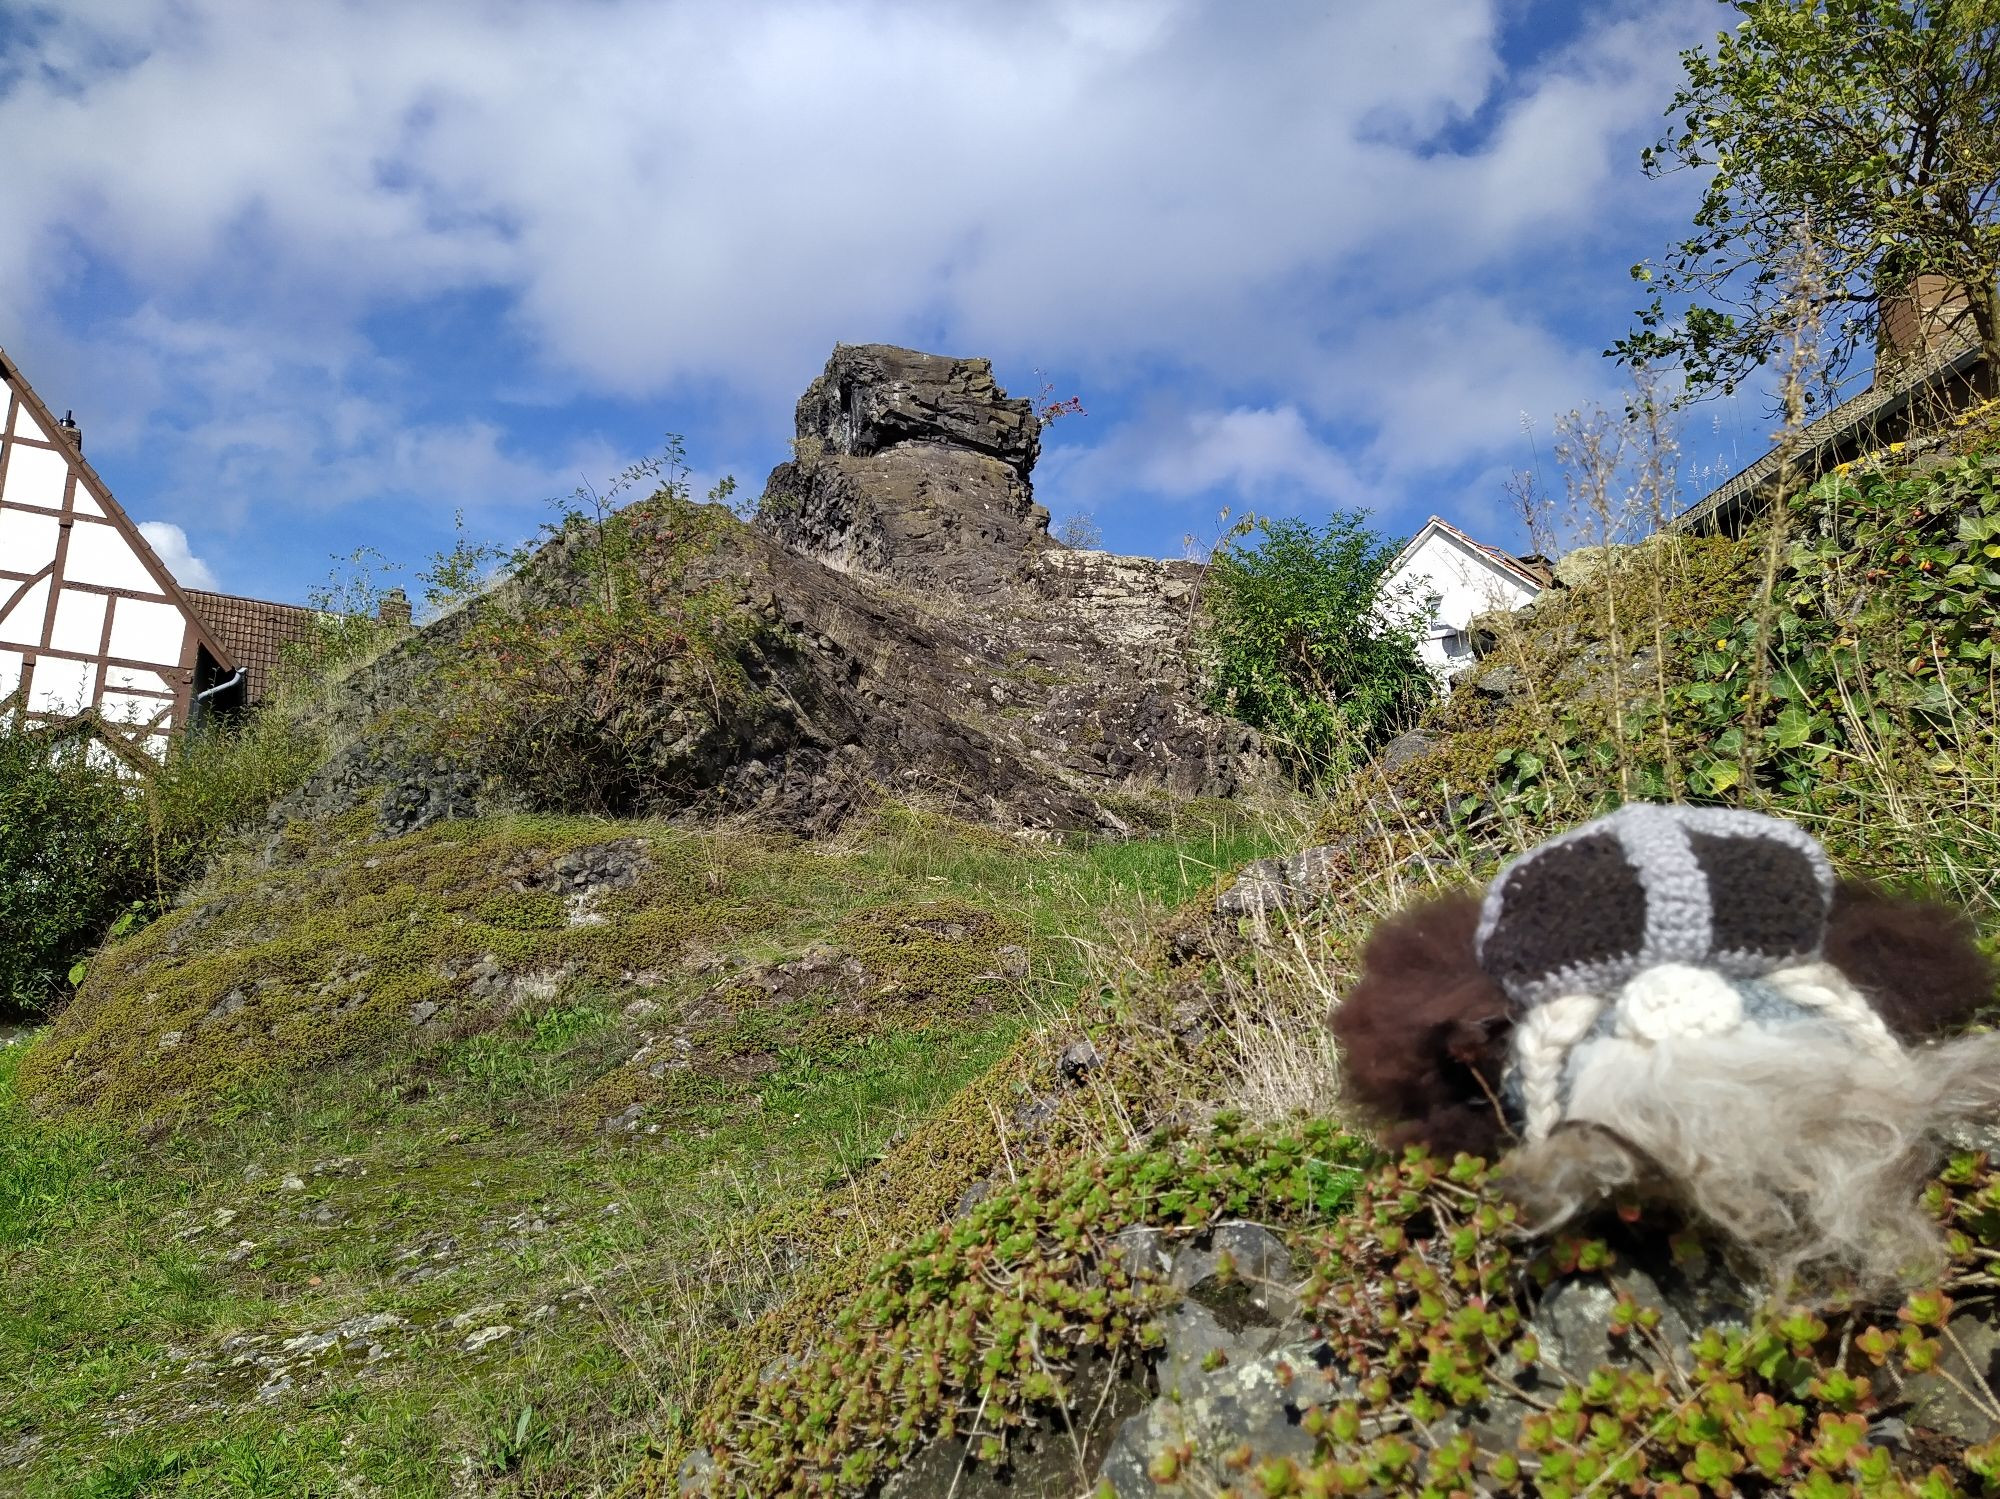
(1657, 924)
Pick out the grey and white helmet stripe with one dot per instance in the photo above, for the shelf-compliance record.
(1715, 887)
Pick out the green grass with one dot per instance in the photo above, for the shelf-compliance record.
(463, 1182)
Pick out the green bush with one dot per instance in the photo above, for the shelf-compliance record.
(598, 684)
(87, 847)
(71, 856)
(1307, 647)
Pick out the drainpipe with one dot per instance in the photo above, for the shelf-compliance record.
(200, 698)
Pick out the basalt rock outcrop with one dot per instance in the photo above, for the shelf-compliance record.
(909, 627)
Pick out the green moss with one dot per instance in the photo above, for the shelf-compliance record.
(942, 955)
(1001, 1311)
(523, 911)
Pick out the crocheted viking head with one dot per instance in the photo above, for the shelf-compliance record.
(1686, 1000)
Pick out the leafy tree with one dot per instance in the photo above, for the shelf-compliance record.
(1307, 646)
(1870, 127)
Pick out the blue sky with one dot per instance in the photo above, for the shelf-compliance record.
(316, 277)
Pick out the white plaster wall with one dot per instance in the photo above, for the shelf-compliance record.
(145, 631)
(120, 707)
(22, 623)
(100, 554)
(79, 622)
(1466, 586)
(27, 540)
(61, 686)
(25, 424)
(10, 673)
(119, 678)
(35, 476)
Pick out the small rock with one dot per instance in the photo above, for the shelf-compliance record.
(1147, 1249)
(624, 1119)
(1079, 1058)
(972, 1196)
(1405, 748)
(228, 1005)
(292, 1183)
(170, 1039)
(1587, 564)
(1949, 1405)
(486, 1336)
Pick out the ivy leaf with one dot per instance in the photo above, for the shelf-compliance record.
(1721, 775)
(1793, 727)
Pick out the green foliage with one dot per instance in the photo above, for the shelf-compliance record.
(1875, 648)
(1836, 666)
(460, 574)
(346, 626)
(1866, 125)
(1423, 1297)
(1007, 1312)
(1307, 648)
(90, 848)
(597, 686)
(72, 857)
(799, 1133)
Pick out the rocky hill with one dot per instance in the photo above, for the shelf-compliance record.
(900, 623)
(468, 1109)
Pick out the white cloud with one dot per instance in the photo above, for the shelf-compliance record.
(1266, 459)
(171, 543)
(1446, 383)
(1315, 218)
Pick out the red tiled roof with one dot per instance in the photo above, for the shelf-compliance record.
(253, 631)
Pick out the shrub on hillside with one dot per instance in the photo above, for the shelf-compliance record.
(86, 845)
(1306, 646)
(598, 683)
(70, 856)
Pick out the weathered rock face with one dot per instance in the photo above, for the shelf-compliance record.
(873, 396)
(913, 467)
(909, 627)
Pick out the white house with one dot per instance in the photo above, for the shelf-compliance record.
(1466, 578)
(91, 621)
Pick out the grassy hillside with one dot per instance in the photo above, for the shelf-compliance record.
(262, 1243)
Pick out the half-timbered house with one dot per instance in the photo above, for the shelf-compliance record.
(92, 624)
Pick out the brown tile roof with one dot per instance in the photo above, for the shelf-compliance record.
(1821, 444)
(253, 631)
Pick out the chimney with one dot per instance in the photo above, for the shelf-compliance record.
(69, 429)
(1930, 313)
(394, 610)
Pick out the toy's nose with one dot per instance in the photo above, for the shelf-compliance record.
(1672, 1000)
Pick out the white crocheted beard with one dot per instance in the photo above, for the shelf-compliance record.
(1677, 1002)
(1804, 1139)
